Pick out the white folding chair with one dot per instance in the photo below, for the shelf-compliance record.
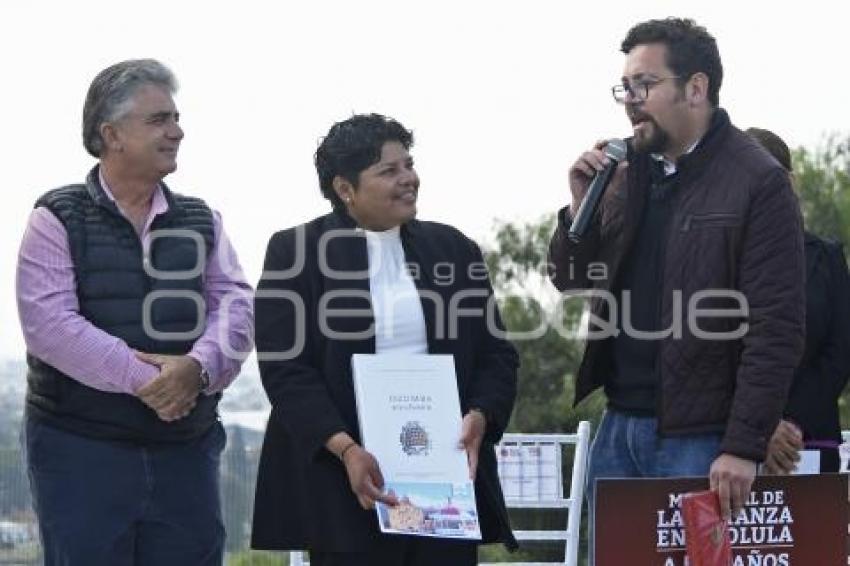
(531, 473)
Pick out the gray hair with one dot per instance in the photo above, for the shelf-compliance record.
(110, 93)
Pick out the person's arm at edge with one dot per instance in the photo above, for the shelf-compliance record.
(772, 278)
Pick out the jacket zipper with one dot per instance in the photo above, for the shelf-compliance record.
(669, 230)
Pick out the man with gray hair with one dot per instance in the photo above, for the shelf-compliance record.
(134, 308)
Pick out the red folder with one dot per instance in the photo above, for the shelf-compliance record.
(706, 533)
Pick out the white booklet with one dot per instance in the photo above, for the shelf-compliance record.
(410, 420)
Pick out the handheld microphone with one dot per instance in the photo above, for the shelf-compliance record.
(616, 152)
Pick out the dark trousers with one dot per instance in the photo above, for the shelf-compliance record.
(401, 550)
(829, 461)
(103, 503)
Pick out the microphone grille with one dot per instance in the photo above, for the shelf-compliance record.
(616, 149)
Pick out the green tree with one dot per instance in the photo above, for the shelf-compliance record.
(822, 179)
(518, 267)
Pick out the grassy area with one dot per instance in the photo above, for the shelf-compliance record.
(258, 558)
(21, 554)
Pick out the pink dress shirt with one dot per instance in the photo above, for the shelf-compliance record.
(56, 333)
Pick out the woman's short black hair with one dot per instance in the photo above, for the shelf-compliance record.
(774, 145)
(690, 49)
(354, 145)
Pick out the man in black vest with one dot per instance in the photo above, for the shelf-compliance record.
(135, 311)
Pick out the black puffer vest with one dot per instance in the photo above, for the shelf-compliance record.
(154, 303)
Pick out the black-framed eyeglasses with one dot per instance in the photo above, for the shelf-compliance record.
(638, 90)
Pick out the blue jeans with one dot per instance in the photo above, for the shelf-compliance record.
(629, 447)
(102, 503)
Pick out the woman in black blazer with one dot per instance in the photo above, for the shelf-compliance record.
(811, 418)
(317, 304)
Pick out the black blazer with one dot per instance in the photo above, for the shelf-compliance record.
(303, 498)
(825, 367)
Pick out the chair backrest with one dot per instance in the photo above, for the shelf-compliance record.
(531, 473)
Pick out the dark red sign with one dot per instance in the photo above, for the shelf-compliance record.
(788, 521)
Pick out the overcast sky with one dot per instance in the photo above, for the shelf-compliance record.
(502, 97)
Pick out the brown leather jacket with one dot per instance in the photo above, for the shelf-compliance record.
(735, 225)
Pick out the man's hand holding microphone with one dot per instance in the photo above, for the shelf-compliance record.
(590, 176)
